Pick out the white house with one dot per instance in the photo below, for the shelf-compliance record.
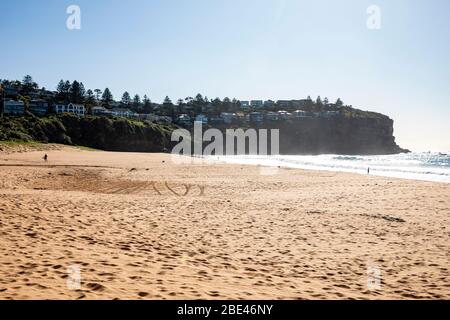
(77, 109)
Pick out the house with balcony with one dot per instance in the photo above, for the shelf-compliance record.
(245, 104)
(38, 107)
(255, 117)
(299, 103)
(283, 103)
(77, 109)
(256, 104)
(300, 114)
(12, 107)
(272, 116)
(269, 104)
(228, 117)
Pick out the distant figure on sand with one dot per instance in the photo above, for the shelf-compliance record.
(368, 170)
(45, 157)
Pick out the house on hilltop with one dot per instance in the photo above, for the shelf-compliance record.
(38, 107)
(12, 107)
(77, 109)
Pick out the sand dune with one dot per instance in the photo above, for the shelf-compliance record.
(138, 226)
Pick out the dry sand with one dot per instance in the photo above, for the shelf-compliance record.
(139, 226)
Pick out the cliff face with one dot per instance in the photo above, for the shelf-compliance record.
(363, 136)
(367, 134)
(340, 135)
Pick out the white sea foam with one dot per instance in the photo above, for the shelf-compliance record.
(418, 166)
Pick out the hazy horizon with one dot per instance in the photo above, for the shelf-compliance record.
(266, 49)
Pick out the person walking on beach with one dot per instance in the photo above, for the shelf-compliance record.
(45, 158)
(368, 170)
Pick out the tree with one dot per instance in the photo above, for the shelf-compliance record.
(339, 103)
(198, 104)
(226, 104)
(126, 99)
(319, 103)
(98, 93)
(82, 92)
(235, 105)
(107, 97)
(167, 101)
(77, 92)
(28, 84)
(66, 91)
(216, 106)
(63, 91)
(90, 99)
(147, 108)
(309, 104)
(60, 94)
(137, 103)
(168, 108)
(136, 100)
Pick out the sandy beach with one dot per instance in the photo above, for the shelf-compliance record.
(138, 226)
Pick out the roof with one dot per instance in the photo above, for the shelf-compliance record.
(77, 105)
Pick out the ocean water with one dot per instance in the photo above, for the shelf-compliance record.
(426, 166)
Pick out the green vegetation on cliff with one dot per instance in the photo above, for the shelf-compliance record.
(112, 134)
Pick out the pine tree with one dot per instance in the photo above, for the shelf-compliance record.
(126, 99)
(107, 97)
(66, 91)
(339, 103)
(147, 105)
(168, 108)
(28, 84)
(90, 99)
(137, 103)
(76, 92)
(98, 93)
(60, 90)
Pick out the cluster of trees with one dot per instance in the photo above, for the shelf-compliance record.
(136, 104)
(24, 87)
(75, 92)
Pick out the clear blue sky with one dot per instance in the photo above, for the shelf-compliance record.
(277, 49)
